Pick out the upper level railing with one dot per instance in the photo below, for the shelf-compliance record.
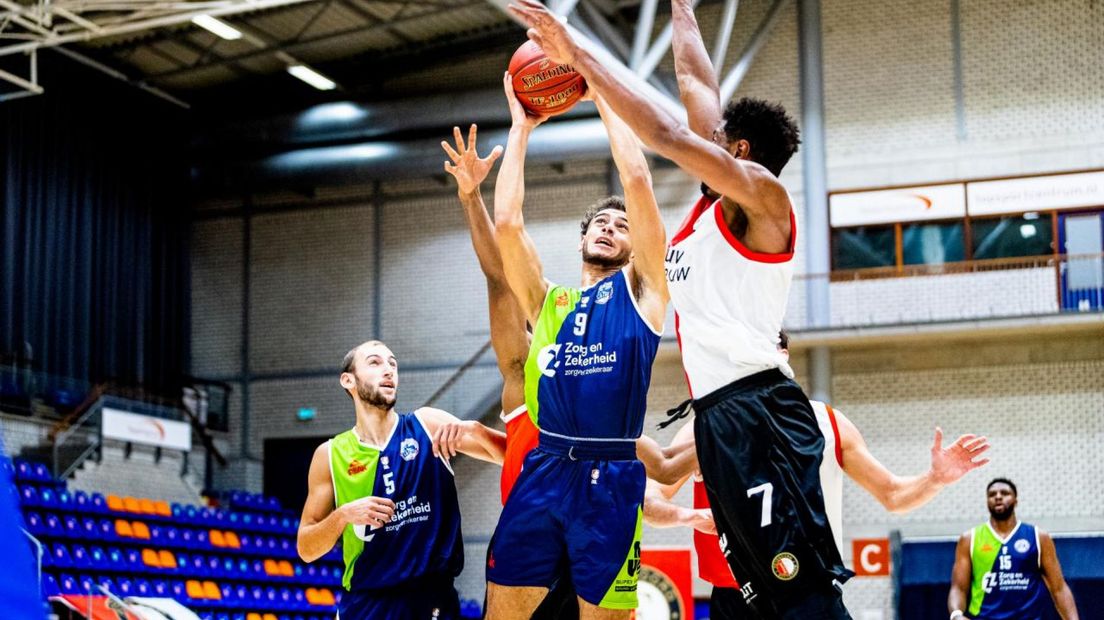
(985, 289)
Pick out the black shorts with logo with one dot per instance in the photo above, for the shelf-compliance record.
(760, 449)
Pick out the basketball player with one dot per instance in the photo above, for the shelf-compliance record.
(1003, 564)
(579, 496)
(386, 491)
(509, 338)
(845, 452)
(729, 269)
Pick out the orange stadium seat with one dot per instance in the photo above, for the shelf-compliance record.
(141, 531)
(312, 596)
(131, 504)
(253, 616)
(269, 617)
(326, 597)
(162, 509)
(232, 540)
(150, 558)
(114, 502)
(271, 568)
(194, 589)
(217, 539)
(211, 591)
(146, 507)
(285, 569)
(123, 529)
(168, 560)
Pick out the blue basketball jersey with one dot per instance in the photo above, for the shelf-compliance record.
(423, 537)
(1008, 582)
(590, 362)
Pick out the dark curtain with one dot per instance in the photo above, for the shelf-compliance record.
(94, 230)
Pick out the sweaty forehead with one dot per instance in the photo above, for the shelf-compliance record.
(368, 351)
(612, 214)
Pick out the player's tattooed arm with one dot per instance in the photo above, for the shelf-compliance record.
(960, 576)
(667, 465)
(660, 511)
(1054, 580)
(649, 238)
(452, 435)
(900, 494)
(519, 256)
(321, 525)
(697, 79)
(753, 187)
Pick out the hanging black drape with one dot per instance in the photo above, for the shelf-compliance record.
(93, 230)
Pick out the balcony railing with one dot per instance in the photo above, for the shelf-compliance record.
(985, 289)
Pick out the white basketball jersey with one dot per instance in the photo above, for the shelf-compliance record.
(729, 301)
(831, 469)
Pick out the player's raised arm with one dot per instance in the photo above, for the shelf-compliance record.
(649, 239)
(961, 575)
(321, 526)
(697, 79)
(667, 465)
(901, 494)
(508, 335)
(753, 187)
(519, 255)
(452, 435)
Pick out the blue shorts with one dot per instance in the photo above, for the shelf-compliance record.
(582, 501)
(428, 599)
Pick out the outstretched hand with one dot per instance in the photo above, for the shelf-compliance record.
(546, 30)
(467, 167)
(519, 116)
(958, 459)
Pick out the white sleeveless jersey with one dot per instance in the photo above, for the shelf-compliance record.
(831, 469)
(729, 301)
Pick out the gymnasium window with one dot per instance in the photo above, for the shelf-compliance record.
(863, 247)
(930, 243)
(1030, 234)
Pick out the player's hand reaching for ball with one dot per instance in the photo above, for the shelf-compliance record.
(467, 167)
(373, 511)
(518, 116)
(958, 459)
(546, 30)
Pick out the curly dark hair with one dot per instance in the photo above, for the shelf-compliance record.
(1010, 484)
(611, 202)
(767, 127)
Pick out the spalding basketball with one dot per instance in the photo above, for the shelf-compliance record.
(544, 87)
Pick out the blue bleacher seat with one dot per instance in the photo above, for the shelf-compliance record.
(68, 584)
(142, 588)
(59, 555)
(191, 514)
(126, 587)
(110, 584)
(47, 498)
(23, 470)
(50, 585)
(116, 560)
(161, 589)
(247, 542)
(34, 523)
(98, 559)
(81, 502)
(52, 525)
(28, 497)
(42, 473)
(133, 559)
(171, 536)
(72, 526)
(157, 535)
(80, 556)
(214, 565)
(105, 530)
(187, 538)
(201, 541)
(99, 504)
(227, 591)
(89, 528)
(87, 584)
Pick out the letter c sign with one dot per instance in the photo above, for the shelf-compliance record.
(870, 557)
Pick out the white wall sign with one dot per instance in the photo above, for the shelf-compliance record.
(147, 430)
(909, 204)
(1059, 191)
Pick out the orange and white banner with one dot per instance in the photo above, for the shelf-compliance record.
(146, 430)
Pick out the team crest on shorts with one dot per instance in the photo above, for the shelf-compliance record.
(785, 566)
(1021, 546)
(408, 449)
(604, 293)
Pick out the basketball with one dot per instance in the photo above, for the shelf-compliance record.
(544, 87)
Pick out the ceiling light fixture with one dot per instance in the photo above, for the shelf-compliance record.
(312, 77)
(217, 27)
